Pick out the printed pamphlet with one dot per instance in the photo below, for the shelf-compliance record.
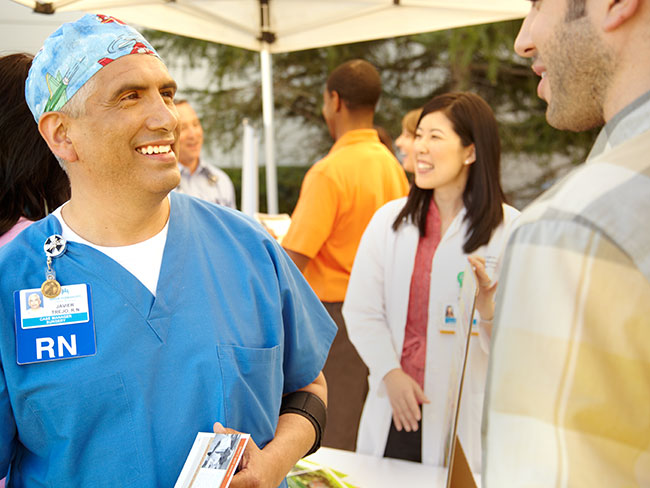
(212, 461)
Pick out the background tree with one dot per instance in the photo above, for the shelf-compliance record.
(413, 69)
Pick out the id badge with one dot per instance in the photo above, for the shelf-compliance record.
(448, 324)
(49, 329)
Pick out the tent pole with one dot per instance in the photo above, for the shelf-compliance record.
(269, 136)
(249, 183)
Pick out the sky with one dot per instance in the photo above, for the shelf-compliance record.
(22, 30)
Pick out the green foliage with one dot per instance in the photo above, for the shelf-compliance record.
(413, 70)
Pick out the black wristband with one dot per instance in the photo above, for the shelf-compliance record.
(309, 406)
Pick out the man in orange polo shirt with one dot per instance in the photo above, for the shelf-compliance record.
(339, 195)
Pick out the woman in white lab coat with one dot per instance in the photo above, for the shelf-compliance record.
(402, 298)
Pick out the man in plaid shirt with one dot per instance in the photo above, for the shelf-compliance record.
(568, 396)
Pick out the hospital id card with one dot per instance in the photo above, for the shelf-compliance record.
(49, 329)
(449, 326)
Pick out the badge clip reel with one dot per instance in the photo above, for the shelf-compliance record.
(54, 247)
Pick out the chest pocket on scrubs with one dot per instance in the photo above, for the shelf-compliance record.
(88, 424)
(252, 388)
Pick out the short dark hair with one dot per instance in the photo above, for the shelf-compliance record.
(474, 122)
(31, 181)
(358, 84)
(576, 9)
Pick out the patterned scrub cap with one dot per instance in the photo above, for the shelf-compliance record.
(73, 54)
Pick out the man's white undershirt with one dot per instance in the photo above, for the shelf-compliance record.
(142, 260)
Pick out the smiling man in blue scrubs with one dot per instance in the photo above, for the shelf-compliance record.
(140, 343)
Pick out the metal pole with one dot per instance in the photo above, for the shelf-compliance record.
(249, 184)
(269, 136)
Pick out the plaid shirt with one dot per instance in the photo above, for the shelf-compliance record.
(568, 396)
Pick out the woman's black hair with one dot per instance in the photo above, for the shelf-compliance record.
(31, 181)
(474, 122)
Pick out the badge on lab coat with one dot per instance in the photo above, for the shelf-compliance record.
(448, 324)
(49, 329)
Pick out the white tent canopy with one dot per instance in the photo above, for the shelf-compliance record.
(274, 26)
(294, 25)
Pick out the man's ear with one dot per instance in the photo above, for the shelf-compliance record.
(53, 126)
(618, 11)
(336, 100)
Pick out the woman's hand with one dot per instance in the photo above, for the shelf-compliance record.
(405, 399)
(486, 288)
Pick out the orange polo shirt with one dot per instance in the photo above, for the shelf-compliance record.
(339, 195)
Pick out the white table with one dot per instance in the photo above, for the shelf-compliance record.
(371, 472)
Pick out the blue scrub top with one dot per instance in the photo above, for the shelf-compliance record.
(233, 326)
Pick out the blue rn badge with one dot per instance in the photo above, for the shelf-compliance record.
(48, 329)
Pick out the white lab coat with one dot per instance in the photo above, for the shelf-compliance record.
(375, 312)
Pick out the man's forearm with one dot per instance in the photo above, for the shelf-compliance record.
(293, 438)
(295, 434)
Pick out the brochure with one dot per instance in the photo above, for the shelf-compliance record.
(308, 474)
(212, 461)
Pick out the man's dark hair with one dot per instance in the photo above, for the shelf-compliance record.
(358, 84)
(575, 10)
(31, 180)
(474, 122)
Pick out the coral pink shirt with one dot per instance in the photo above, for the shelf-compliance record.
(417, 318)
(14, 231)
